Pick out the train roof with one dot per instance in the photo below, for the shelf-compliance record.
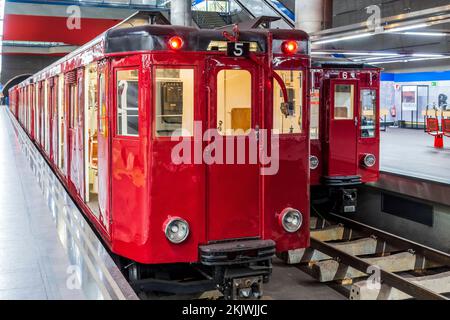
(150, 31)
(155, 37)
(334, 63)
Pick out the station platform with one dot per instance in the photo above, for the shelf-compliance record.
(47, 250)
(33, 262)
(411, 152)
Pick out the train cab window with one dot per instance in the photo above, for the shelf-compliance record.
(315, 107)
(288, 121)
(234, 102)
(174, 102)
(127, 86)
(344, 95)
(368, 113)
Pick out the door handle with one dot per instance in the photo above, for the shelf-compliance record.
(257, 132)
(356, 121)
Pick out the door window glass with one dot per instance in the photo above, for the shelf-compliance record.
(368, 113)
(344, 101)
(127, 102)
(234, 102)
(287, 118)
(174, 102)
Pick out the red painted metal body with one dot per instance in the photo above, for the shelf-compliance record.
(341, 144)
(140, 186)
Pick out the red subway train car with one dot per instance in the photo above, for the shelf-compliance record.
(345, 126)
(185, 148)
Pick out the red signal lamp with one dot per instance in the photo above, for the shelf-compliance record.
(289, 47)
(176, 43)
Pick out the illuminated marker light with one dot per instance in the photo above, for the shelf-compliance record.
(289, 47)
(176, 43)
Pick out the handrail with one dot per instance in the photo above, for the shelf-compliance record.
(244, 8)
(283, 16)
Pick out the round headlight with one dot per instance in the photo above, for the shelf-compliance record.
(369, 160)
(291, 220)
(313, 162)
(177, 230)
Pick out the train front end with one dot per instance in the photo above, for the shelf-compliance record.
(224, 121)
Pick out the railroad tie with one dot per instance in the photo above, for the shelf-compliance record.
(365, 290)
(332, 270)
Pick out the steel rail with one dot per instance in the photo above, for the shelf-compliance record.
(393, 280)
(396, 241)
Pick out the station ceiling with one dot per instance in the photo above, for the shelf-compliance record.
(422, 39)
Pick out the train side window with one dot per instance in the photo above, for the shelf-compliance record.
(368, 113)
(234, 102)
(174, 102)
(344, 95)
(127, 93)
(315, 107)
(291, 122)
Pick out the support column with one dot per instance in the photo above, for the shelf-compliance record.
(181, 12)
(311, 15)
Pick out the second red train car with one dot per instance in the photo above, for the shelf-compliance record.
(345, 126)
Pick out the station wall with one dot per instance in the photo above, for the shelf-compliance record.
(433, 90)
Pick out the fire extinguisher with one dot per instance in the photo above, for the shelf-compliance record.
(393, 112)
(394, 116)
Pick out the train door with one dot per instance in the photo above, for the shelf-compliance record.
(50, 117)
(233, 173)
(103, 145)
(32, 105)
(343, 126)
(91, 138)
(40, 106)
(54, 121)
(62, 125)
(74, 83)
(128, 158)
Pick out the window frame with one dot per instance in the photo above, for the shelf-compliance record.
(376, 115)
(353, 93)
(153, 133)
(115, 105)
(313, 91)
(252, 93)
(302, 98)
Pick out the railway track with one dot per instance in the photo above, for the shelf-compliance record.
(367, 263)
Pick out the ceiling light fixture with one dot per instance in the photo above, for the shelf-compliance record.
(399, 29)
(427, 34)
(411, 60)
(356, 36)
